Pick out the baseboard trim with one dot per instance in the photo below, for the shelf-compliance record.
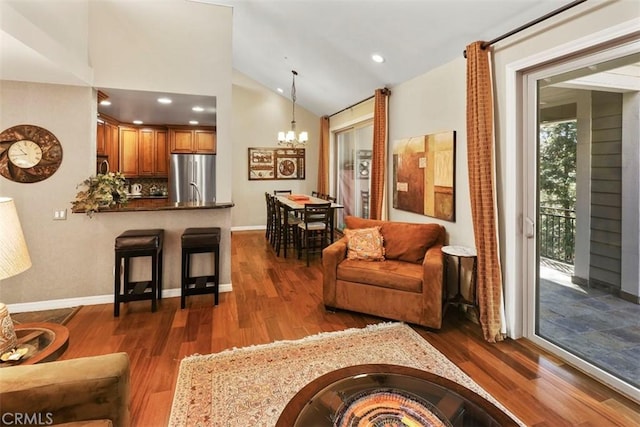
(249, 228)
(92, 300)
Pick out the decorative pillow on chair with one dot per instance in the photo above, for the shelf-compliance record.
(365, 244)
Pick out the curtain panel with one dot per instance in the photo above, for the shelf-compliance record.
(480, 153)
(379, 155)
(323, 157)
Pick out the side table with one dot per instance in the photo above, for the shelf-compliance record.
(462, 252)
(45, 342)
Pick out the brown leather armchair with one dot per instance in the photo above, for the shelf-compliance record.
(406, 286)
(88, 391)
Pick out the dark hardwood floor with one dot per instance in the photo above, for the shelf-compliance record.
(275, 299)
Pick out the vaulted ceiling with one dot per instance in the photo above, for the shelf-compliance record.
(330, 42)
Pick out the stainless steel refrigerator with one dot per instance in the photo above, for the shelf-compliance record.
(192, 178)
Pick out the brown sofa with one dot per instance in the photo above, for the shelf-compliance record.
(406, 286)
(88, 391)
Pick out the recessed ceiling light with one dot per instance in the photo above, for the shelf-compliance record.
(193, 122)
(164, 100)
(138, 122)
(198, 109)
(280, 90)
(376, 57)
(105, 102)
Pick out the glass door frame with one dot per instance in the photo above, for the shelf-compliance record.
(530, 261)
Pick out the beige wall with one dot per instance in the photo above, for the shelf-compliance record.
(74, 258)
(258, 114)
(434, 102)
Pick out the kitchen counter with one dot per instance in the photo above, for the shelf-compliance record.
(166, 206)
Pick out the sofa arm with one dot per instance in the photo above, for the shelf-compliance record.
(332, 255)
(89, 388)
(432, 283)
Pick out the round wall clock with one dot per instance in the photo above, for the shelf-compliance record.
(29, 153)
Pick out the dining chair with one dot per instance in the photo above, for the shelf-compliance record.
(314, 194)
(271, 218)
(281, 192)
(332, 217)
(288, 228)
(314, 228)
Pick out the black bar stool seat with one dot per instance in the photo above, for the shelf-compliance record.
(138, 243)
(200, 240)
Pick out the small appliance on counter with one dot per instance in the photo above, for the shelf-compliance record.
(136, 189)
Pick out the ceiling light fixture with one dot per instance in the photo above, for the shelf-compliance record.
(290, 138)
(105, 102)
(193, 122)
(138, 122)
(164, 100)
(280, 90)
(376, 57)
(197, 109)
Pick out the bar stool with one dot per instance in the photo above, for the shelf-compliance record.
(200, 240)
(138, 243)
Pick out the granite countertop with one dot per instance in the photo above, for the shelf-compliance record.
(166, 207)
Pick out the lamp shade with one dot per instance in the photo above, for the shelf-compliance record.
(14, 256)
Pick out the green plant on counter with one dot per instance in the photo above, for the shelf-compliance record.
(102, 191)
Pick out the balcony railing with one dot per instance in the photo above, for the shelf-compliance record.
(557, 230)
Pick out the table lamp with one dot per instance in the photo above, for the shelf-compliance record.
(14, 259)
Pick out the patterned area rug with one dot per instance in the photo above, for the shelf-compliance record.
(251, 386)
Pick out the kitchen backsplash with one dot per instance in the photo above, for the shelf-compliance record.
(151, 186)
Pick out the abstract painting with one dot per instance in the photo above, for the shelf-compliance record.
(424, 175)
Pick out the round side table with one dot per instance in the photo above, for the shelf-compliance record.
(45, 342)
(462, 252)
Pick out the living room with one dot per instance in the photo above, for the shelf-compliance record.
(72, 259)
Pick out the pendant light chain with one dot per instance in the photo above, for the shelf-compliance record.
(290, 138)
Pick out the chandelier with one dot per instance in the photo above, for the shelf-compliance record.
(290, 138)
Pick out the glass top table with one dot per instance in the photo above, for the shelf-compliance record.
(43, 342)
(389, 395)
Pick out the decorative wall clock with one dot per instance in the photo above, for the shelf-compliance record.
(29, 153)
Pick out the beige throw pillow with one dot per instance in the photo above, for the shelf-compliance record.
(365, 244)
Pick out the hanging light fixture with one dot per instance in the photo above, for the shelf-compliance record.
(290, 138)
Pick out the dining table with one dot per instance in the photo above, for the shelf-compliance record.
(294, 203)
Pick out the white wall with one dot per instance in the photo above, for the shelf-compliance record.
(74, 258)
(258, 114)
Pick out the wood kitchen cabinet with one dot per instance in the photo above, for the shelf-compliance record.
(107, 145)
(129, 151)
(201, 140)
(153, 157)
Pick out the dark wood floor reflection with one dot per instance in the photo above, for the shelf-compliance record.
(275, 299)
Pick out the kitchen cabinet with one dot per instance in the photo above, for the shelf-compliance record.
(202, 141)
(129, 151)
(153, 157)
(144, 152)
(107, 145)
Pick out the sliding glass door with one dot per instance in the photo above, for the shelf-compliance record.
(583, 203)
(353, 148)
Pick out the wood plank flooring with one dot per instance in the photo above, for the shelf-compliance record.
(275, 299)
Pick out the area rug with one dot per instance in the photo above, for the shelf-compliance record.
(250, 386)
(59, 316)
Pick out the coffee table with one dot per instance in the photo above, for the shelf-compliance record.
(45, 342)
(389, 392)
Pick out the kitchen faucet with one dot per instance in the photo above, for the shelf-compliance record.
(198, 195)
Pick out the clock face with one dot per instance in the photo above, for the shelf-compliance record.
(29, 153)
(25, 154)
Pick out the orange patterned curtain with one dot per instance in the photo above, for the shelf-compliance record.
(379, 155)
(323, 157)
(480, 153)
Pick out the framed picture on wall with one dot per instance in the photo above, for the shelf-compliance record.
(424, 175)
(276, 163)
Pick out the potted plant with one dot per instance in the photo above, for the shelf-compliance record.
(102, 191)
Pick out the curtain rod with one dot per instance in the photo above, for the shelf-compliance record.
(352, 105)
(553, 13)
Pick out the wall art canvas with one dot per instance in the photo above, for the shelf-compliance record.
(276, 163)
(424, 175)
